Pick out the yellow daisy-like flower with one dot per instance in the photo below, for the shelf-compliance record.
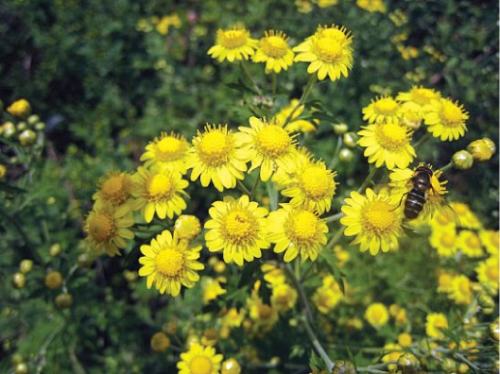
(444, 241)
(374, 221)
(295, 124)
(377, 315)
(326, 3)
(115, 187)
(200, 360)
(169, 263)
(434, 325)
(273, 274)
(297, 231)
(108, 228)
(3, 171)
(467, 218)
(159, 192)
(216, 156)
(405, 340)
(490, 240)
(283, 297)
(487, 272)
(445, 281)
(238, 228)
(328, 295)
(283, 179)
(167, 151)
(470, 244)
(313, 185)
(233, 44)
(382, 110)
(274, 51)
(328, 52)
(269, 147)
(411, 115)
(395, 352)
(461, 292)
(211, 289)
(446, 119)
(263, 316)
(419, 95)
(372, 5)
(387, 144)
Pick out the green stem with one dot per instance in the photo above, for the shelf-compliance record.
(335, 238)
(302, 294)
(446, 167)
(249, 77)
(255, 185)
(335, 157)
(243, 188)
(310, 84)
(368, 179)
(422, 140)
(319, 348)
(334, 217)
(274, 79)
(273, 195)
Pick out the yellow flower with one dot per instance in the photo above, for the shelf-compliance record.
(470, 244)
(445, 281)
(295, 124)
(377, 315)
(482, 149)
(211, 289)
(374, 221)
(231, 366)
(269, 146)
(160, 342)
(327, 3)
(168, 264)
(434, 325)
(342, 256)
(446, 119)
(233, 318)
(372, 5)
(3, 171)
(283, 297)
(487, 272)
(328, 295)
(20, 108)
(419, 96)
(273, 274)
(263, 316)
(216, 156)
(116, 188)
(238, 228)
(233, 44)
(411, 115)
(461, 292)
(490, 240)
(313, 185)
(405, 340)
(387, 144)
(159, 192)
(274, 51)
(328, 52)
(297, 231)
(200, 360)
(382, 110)
(466, 217)
(281, 178)
(395, 351)
(165, 22)
(444, 241)
(108, 228)
(167, 151)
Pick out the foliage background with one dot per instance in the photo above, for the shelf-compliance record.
(105, 89)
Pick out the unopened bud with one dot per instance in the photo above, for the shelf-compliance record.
(346, 155)
(34, 118)
(482, 149)
(25, 266)
(27, 137)
(462, 160)
(8, 129)
(449, 366)
(340, 128)
(343, 367)
(187, 227)
(231, 366)
(485, 300)
(350, 139)
(494, 330)
(64, 300)
(408, 363)
(20, 108)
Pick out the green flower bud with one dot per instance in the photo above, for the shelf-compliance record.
(34, 118)
(8, 129)
(351, 139)
(346, 155)
(22, 368)
(18, 280)
(27, 137)
(343, 367)
(22, 126)
(449, 366)
(408, 364)
(340, 128)
(482, 149)
(64, 300)
(55, 249)
(485, 300)
(25, 266)
(462, 160)
(40, 126)
(494, 330)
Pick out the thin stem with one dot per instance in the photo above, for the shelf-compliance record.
(368, 179)
(335, 238)
(335, 157)
(274, 79)
(254, 188)
(334, 217)
(422, 140)
(319, 348)
(302, 294)
(249, 77)
(243, 188)
(446, 167)
(310, 84)
(273, 195)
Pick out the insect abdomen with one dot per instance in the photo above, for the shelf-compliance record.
(414, 203)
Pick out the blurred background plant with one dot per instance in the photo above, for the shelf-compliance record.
(101, 80)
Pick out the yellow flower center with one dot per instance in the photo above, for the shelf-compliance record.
(240, 226)
(169, 149)
(440, 323)
(303, 226)
(169, 262)
(274, 46)
(392, 136)
(160, 187)
(473, 241)
(265, 311)
(328, 50)
(377, 315)
(492, 273)
(101, 227)
(200, 365)
(447, 240)
(378, 217)
(116, 189)
(464, 286)
(386, 106)
(215, 148)
(451, 114)
(422, 96)
(316, 183)
(273, 141)
(232, 39)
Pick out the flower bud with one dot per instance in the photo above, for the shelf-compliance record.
(18, 280)
(160, 342)
(22, 368)
(449, 366)
(53, 280)
(343, 367)
(482, 149)
(340, 128)
(40, 126)
(351, 139)
(231, 366)
(27, 137)
(55, 249)
(462, 160)
(408, 363)
(187, 227)
(3, 171)
(494, 330)
(64, 300)
(34, 118)
(488, 311)
(8, 129)
(21, 126)
(20, 108)
(346, 155)
(485, 300)
(25, 266)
